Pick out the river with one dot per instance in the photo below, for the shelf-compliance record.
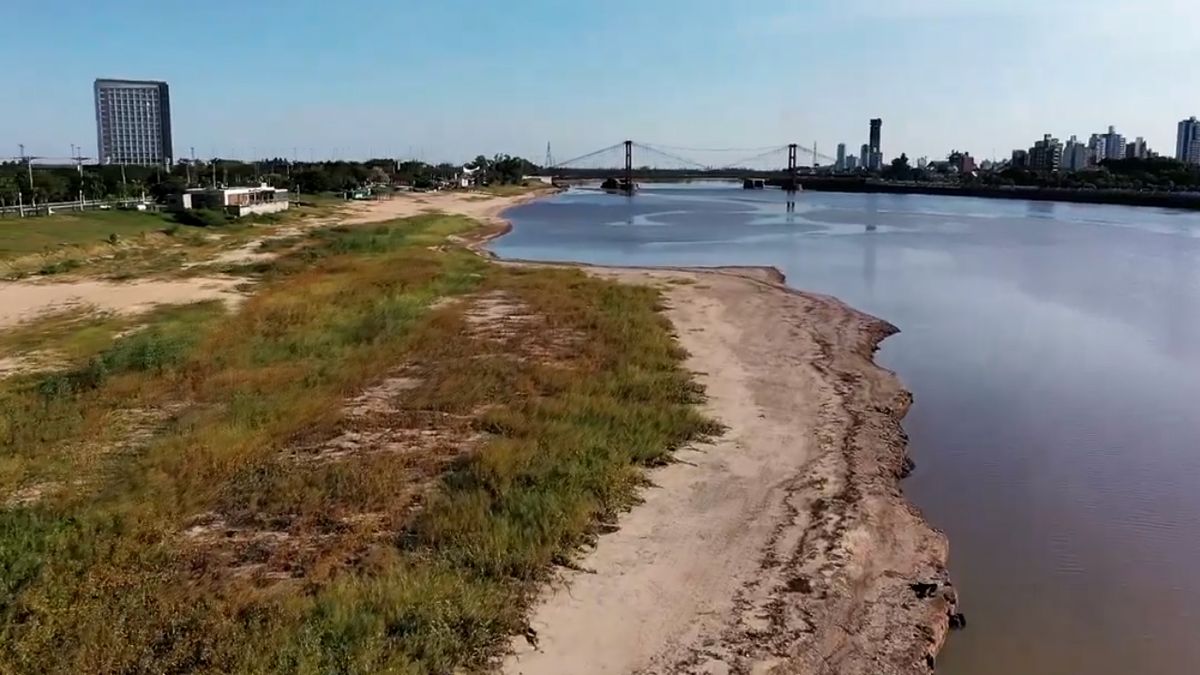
(1054, 354)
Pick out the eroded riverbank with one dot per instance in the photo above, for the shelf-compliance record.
(784, 546)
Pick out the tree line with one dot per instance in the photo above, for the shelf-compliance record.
(1161, 174)
(63, 184)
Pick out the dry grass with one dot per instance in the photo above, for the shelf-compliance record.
(348, 475)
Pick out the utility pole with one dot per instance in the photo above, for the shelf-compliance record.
(28, 165)
(77, 155)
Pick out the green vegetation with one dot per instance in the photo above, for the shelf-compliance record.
(24, 236)
(170, 502)
(1161, 174)
(128, 244)
(72, 334)
(109, 182)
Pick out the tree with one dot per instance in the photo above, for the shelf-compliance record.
(48, 186)
(900, 170)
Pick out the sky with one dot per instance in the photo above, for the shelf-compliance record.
(451, 79)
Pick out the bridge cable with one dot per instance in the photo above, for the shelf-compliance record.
(589, 155)
(677, 158)
(744, 162)
(687, 149)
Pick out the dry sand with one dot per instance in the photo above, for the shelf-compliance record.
(24, 300)
(402, 205)
(784, 547)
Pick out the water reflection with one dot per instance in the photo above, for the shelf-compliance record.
(868, 252)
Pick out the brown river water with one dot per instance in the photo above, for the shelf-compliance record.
(1054, 354)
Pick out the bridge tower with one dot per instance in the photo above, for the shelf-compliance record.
(792, 182)
(629, 166)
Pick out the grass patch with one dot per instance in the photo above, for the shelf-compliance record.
(70, 334)
(24, 236)
(210, 547)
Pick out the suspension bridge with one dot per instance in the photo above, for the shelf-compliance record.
(628, 161)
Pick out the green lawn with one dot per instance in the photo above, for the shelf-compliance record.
(165, 505)
(24, 236)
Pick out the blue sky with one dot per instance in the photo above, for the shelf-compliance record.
(453, 78)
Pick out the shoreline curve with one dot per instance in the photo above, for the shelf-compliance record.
(785, 546)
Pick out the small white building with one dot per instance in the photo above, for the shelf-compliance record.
(236, 201)
(467, 178)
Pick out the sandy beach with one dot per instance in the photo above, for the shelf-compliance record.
(785, 546)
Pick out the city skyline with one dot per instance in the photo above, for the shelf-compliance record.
(444, 82)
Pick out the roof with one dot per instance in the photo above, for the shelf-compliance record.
(107, 80)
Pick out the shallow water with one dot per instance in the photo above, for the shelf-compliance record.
(1054, 354)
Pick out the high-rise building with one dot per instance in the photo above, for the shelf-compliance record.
(1020, 159)
(1187, 141)
(1076, 155)
(133, 122)
(841, 157)
(1114, 145)
(864, 156)
(851, 162)
(1046, 154)
(876, 152)
(1136, 149)
(1097, 149)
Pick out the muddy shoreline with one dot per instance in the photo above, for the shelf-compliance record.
(788, 545)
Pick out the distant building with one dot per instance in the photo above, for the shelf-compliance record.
(864, 156)
(1020, 159)
(986, 165)
(876, 151)
(841, 157)
(851, 163)
(1187, 141)
(1136, 149)
(133, 122)
(966, 163)
(1097, 149)
(922, 162)
(1046, 154)
(1114, 145)
(1076, 155)
(236, 201)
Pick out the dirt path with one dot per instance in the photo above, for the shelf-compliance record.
(784, 547)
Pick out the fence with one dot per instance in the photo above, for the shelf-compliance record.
(29, 210)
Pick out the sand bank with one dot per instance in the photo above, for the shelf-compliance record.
(786, 546)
